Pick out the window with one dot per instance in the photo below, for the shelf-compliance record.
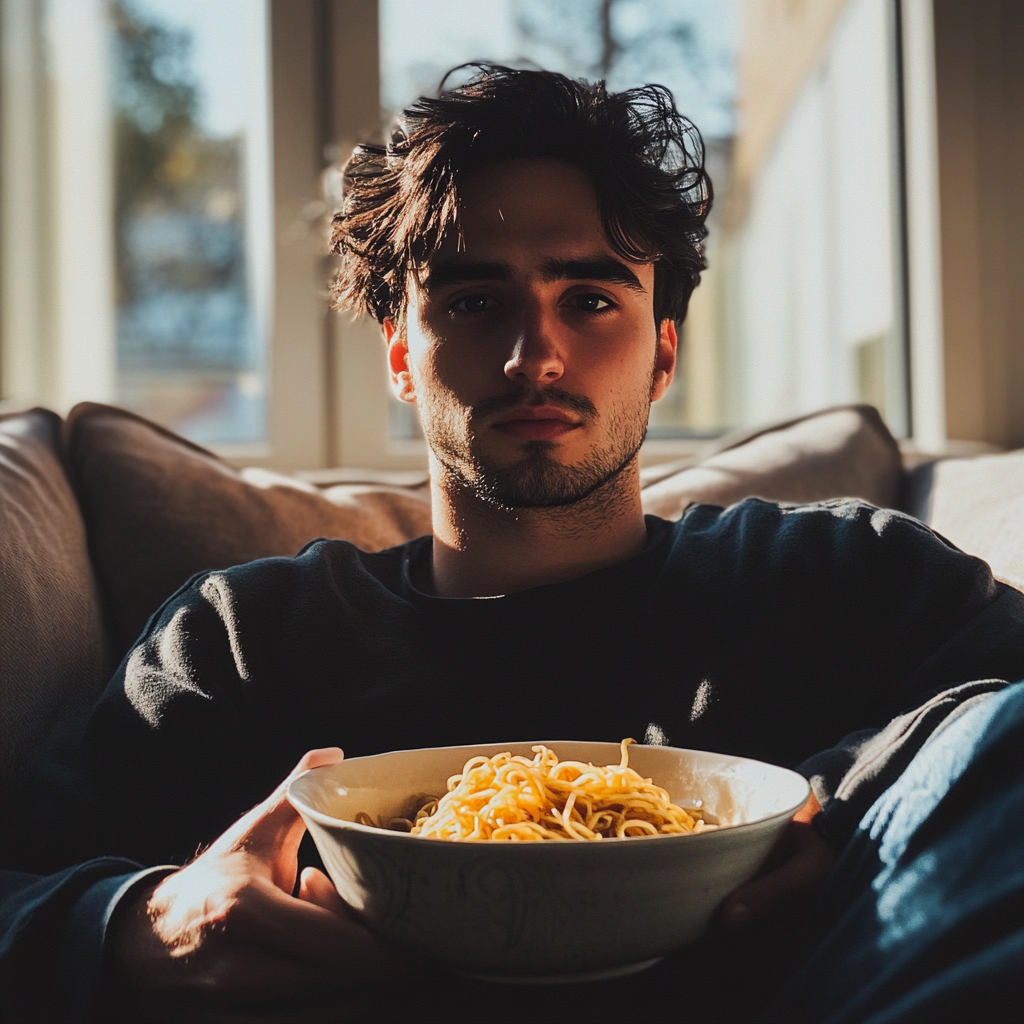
(192, 205)
(161, 246)
(169, 167)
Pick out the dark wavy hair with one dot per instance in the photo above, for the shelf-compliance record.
(645, 159)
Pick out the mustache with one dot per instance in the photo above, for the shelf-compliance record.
(551, 394)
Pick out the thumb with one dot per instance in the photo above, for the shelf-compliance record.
(271, 832)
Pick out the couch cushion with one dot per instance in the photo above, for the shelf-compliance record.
(51, 656)
(159, 509)
(846, 452)
(978, 504)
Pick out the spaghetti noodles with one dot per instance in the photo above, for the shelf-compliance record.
(520, 799)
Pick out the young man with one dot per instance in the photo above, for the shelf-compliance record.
(528, 244)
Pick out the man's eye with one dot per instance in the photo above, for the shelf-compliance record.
(474, 304)
(592, 303)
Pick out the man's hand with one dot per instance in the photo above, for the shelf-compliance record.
(224, 939)
(793, 873)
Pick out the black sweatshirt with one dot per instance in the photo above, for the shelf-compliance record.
(762, 630)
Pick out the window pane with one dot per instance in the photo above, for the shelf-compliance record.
(192, 210)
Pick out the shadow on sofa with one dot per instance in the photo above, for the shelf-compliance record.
(104, 515)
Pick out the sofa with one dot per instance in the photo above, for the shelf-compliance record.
(103, 515)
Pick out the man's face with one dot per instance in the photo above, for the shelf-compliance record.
(530, 346)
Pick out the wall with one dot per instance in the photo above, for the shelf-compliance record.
(979, 57)
(786, 324)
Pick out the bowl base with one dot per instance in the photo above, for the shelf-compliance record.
(577, 978)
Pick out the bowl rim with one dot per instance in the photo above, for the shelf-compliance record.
(329, 821)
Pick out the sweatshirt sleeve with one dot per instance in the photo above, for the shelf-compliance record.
(52, 932)
(850, 777)
(167, 757)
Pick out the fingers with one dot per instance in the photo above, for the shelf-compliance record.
(809, 809)
(316, 887)
(793, 881)
(315, 759)
(255, 818)
(273, 838)
(299, 930)
(272, 830)
(216, 932)
(758, 898)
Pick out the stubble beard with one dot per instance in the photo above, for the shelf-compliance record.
(537, 480)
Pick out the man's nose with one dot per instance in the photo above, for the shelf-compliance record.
(536, 357)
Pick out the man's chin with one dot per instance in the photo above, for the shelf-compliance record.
(538, 481)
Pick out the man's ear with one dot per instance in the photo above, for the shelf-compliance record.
(398, 362)
(664, 359)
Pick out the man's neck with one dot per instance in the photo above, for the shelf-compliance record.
(481, 550)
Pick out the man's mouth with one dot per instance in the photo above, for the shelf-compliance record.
(537, 423)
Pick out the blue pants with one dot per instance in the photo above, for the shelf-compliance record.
(923, 918)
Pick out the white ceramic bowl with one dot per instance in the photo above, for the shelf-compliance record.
(544, 911)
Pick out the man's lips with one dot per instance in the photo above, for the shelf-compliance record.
(537, 423)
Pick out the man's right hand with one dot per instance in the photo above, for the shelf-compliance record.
(223, 939)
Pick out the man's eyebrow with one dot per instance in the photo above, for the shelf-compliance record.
(450, 272)
(591, 268)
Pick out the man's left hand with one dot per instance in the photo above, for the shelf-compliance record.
(795, 870)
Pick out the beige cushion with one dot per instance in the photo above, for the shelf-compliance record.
(159, 509)
(978, 504)
(51, 657)
(845, 452)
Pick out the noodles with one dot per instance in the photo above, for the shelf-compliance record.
(519, 799)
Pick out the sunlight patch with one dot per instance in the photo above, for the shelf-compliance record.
(702, 700)
(655, 736)
(904, 911)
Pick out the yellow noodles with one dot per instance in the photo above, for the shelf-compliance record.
(526, 800)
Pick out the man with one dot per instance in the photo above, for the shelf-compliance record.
(528, 244)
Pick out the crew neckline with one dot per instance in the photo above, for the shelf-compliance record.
(658, 533)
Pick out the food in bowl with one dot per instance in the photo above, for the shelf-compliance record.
(543, 911)
(512, 798)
